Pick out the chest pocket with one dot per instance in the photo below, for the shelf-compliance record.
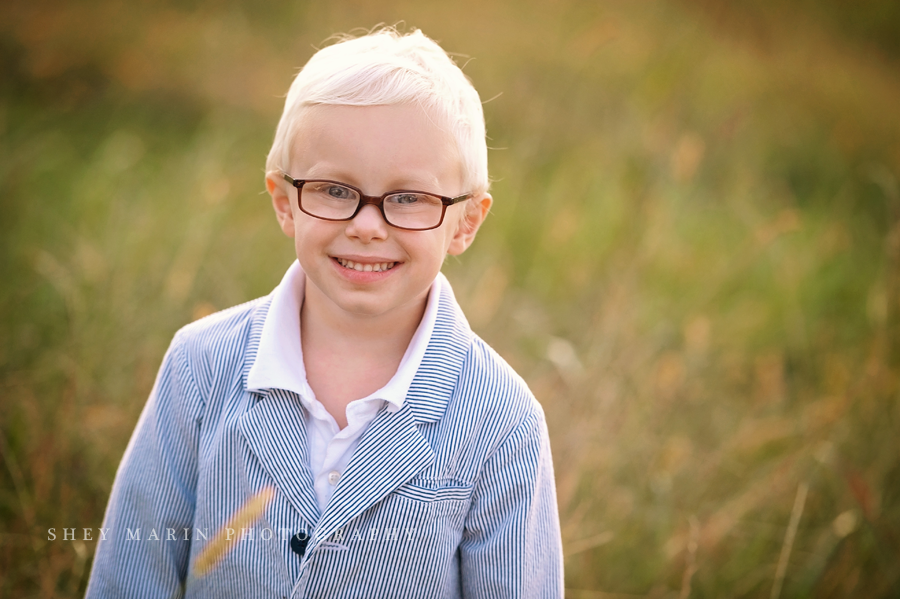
(435, 491)
(442, 501)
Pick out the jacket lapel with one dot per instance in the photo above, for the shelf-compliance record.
(393, 450)
(275, 430)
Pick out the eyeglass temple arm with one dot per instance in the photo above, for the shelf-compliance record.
(457, 199)
(290, 179)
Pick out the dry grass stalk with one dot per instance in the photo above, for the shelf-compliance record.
(589, 543)
(223, 542)
(799, 503)
(691, 566)
(27, 509)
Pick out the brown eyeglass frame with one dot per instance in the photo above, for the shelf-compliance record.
(374, 200)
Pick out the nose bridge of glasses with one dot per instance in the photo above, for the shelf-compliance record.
(374, 200)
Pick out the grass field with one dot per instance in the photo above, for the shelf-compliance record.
(693, 259)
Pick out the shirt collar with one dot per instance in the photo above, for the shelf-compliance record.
(279, 358)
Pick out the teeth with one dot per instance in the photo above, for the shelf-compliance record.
(377, 267)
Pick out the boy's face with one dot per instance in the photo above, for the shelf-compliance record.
(376, 149)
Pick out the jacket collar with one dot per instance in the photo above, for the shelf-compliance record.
(448, 347)
(436, 376)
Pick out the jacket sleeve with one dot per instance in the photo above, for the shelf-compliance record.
(511, 545)
(143, 551)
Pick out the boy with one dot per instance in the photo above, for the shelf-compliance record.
(407, 458)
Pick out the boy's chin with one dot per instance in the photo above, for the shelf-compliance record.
(374, 305)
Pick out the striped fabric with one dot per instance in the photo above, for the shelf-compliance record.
(450, 496)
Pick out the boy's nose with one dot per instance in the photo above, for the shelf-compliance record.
(369, 224)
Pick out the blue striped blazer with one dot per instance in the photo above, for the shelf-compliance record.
(450, 496)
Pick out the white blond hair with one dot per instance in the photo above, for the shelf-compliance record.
(385, 68)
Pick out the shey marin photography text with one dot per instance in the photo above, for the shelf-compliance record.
(392, 534)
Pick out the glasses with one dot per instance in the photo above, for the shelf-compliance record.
(403, 209)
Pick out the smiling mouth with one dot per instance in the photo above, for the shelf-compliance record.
(369, 267)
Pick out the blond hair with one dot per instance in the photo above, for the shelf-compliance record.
(384, 68)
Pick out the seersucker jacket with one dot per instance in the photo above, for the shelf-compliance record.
(450, 496)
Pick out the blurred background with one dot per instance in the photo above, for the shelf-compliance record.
(693, 259)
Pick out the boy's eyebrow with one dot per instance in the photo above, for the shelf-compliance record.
(418, 183)
(327, 172)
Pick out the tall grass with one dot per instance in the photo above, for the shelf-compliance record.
(692, 258)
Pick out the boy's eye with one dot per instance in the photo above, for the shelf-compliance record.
(413, 200)
(405, 199)
(340, 192)
(328, 190)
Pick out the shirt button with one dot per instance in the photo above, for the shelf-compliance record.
(333, 477)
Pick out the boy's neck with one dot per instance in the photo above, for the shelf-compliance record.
(349, 356)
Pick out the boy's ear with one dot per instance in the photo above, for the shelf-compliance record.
(281, 201)
(477, 210)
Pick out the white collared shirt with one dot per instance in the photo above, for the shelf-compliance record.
(279, 365)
